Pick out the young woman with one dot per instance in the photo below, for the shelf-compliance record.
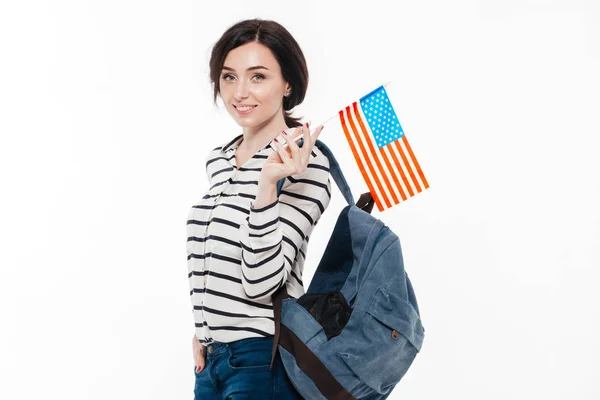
(244, 241)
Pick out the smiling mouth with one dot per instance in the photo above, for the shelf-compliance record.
(245, 108)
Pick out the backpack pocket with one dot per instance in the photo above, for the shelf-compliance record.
(385, 343)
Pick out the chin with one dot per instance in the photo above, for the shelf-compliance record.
(249, 122)
(244, 121)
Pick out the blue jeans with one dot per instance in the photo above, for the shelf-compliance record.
(240, 370)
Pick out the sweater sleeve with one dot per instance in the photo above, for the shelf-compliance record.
(271, 236)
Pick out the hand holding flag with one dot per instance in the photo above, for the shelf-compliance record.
(380, 148)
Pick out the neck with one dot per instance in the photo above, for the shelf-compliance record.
(256, 137)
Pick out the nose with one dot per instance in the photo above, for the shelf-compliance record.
(241, 90)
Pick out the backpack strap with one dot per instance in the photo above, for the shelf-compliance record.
(280, 185)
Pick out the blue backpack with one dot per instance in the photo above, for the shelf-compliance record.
(357, 329)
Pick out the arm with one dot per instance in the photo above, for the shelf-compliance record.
(273, 232)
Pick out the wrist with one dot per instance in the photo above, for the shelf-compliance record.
(266, 193)
(265, 181)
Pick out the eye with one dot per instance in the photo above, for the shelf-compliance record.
(260, 76)
(224, 77)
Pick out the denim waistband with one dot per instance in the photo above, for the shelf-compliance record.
(221, 347)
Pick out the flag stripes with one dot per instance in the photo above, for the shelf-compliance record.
(389, 171)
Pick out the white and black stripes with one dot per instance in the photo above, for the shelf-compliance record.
(238, 256)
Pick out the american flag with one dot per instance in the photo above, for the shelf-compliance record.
(381, 150)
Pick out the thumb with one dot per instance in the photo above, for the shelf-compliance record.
(199, 357)
(200, 366)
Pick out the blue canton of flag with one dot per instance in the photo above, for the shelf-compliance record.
(381, 117)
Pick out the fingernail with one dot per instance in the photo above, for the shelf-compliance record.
(284, 132)
(306, 124)
(276, 140)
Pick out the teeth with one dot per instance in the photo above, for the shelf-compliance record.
(245, 108)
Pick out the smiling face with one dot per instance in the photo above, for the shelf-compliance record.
(251, 76)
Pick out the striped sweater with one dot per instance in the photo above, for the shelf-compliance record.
(238, 255)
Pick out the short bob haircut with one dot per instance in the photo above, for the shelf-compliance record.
(284, 47)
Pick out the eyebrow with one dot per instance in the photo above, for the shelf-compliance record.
(248, 69)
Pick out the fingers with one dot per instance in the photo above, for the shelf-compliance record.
(307, 137)
(297, 132)
(294, 157)
(315, 135)
(285, 157)
(309, 142)
(295, 150)
(301, 157)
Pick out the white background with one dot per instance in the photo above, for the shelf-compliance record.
(106, 118)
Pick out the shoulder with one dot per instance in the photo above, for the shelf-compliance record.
(224, 146)
(220, 150)
(217, 158)
(212, 156)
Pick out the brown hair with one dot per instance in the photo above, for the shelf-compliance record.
(284, 47)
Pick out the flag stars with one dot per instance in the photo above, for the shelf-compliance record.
(381, 118)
